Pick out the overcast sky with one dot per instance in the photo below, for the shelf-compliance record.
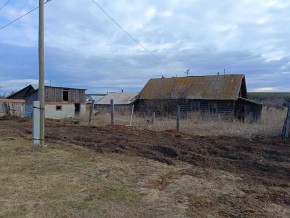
(85, 49)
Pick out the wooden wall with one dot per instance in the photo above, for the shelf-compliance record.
(55, 94)
(229, 108)
(11, 108)
(30, 98)
(76, 95)
(203, 106)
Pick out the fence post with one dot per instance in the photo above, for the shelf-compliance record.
(112, 112)
(153, 118)
(132, 112)
(177, 118)
(91, 111)
(285, 133)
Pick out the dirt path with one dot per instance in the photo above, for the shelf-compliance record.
(260, 158)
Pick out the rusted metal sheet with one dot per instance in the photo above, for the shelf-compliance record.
(214, 87)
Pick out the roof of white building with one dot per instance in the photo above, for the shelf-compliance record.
(123, 98)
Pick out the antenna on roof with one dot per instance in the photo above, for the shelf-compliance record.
(187, 72)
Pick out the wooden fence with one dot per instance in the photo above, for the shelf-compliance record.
(11, 107)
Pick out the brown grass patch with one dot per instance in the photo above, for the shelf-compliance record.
(64, 180)
(270, 124)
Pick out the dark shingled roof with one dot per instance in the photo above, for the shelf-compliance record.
(214, 87)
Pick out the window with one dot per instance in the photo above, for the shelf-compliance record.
(195, 106)
(58, 107)
(212, 108)
(65, 95)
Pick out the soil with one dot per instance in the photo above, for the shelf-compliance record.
(260, 162)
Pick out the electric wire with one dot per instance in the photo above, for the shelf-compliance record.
(5, 4)
(125, 31)
(8, 24)
(99, 6)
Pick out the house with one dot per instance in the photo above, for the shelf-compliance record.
(60, 102)
(214, 94)
(11, 107)
(23, 92)
(121, 100)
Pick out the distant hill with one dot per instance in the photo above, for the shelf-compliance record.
(275, 99)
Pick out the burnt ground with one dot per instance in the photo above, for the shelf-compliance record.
(259, 162)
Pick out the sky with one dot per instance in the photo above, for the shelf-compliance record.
(84, 48)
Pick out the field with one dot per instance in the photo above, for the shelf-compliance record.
(119, 171)
(260, 96)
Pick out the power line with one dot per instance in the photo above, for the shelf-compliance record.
(125, 31)
(8, 24)
(5, 4)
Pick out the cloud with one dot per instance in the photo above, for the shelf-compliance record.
(84, 48)
(266, 89)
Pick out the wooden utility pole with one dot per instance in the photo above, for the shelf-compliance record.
(91, 111)
(285, 133)
(41, 95)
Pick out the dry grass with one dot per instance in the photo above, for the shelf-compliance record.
(71, 181)
(270, 124)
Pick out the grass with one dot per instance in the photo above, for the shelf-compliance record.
(56, 181)
(71, 181)
(63, 180)
(270, 124)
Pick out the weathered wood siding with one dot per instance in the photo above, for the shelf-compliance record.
(30, 98)
(11, 109)
(55, 94)
(28, 111)
(76, 95)
(222, 106)
(225, 107)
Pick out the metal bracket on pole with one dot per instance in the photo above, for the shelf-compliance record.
(36, 124)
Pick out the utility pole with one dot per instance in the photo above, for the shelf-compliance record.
(41, 95)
